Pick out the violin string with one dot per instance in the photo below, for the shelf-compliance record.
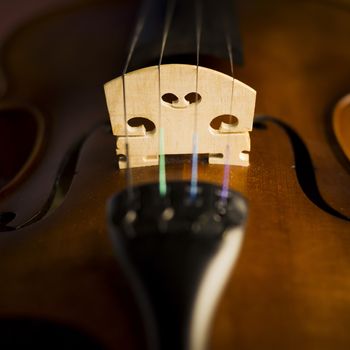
(226, 177)
(136, 35)
(195, 139)
(129, 181)
(162, 170)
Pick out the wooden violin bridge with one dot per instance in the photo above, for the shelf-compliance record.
(218, 109)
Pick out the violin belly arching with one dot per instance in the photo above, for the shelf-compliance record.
(198, 199)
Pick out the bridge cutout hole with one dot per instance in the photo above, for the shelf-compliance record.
(244, 155)
(224, 123)
(170, 98)
(193, 97)
(138, 122)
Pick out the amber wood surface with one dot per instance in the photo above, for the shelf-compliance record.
(309, 60)
(341, 125)
(291, 287)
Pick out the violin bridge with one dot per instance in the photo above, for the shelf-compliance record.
(223, 118)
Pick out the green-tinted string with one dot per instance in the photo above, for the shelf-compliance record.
(162, 174)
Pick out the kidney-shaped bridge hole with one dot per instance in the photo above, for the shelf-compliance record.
(138, 122)
(183, 102)
(193, 97)
(224, 123)
(170, 98)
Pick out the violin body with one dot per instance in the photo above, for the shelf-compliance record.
(290, 288)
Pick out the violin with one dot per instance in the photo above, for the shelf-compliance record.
(78, 270)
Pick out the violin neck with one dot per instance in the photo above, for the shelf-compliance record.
(219, 25)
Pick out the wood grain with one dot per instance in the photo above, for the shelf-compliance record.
(291, 287)
(341, 124)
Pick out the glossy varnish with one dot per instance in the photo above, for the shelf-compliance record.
(291, 286)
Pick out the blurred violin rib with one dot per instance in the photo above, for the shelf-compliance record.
(341, 126)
